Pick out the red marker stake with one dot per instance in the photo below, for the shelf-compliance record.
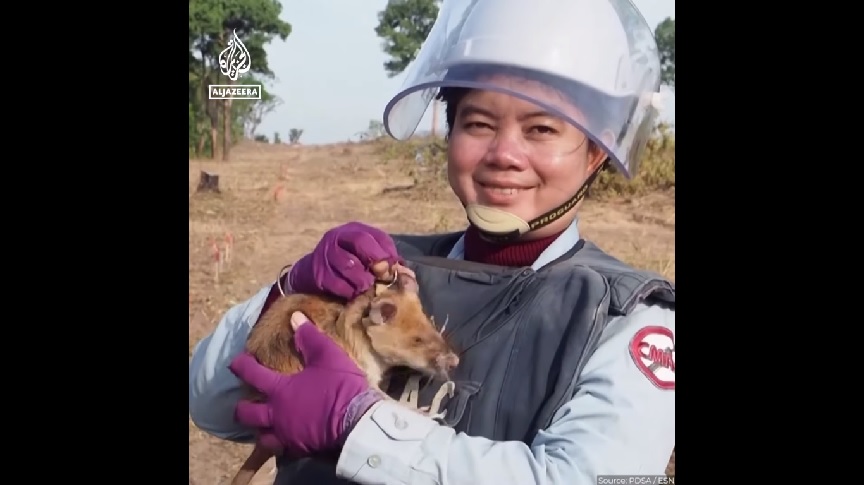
(229, 247)
(217, 261)
(277, 192)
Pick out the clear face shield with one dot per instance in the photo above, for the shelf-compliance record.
(592, 63)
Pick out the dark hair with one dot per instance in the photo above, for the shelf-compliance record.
(450, 97)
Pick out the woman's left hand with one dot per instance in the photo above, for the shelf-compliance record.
(309, 412)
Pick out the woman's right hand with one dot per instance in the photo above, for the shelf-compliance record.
(313, 410)
(341, 263)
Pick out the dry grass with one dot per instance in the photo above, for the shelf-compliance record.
(277, 201)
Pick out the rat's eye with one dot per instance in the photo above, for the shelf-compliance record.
(418, 340)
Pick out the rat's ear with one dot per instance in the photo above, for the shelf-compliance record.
(407, 280)
(382, 311)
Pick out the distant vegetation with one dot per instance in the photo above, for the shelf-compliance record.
(215, 125)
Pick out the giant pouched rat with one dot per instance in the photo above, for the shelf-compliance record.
(384, 327)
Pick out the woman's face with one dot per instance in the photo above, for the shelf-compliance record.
(508, 154)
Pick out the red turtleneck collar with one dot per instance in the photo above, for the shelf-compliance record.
(521, 253)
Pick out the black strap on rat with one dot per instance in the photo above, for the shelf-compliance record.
(549, 216)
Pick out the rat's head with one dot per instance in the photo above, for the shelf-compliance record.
(401, 333)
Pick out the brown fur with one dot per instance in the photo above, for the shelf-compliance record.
(380, 329)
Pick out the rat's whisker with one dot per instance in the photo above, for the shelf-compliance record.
(446, 319)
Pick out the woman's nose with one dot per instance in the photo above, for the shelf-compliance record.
(506, 152)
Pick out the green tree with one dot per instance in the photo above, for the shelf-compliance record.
(212, 23)
(665, 35)
(403, 25)
(294, 135)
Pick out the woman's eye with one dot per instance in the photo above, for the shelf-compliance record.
(475, 125)
(543, 130)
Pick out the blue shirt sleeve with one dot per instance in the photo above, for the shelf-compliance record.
(621, 420)
(213, 389)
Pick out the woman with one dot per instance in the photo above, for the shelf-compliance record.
(567, 355)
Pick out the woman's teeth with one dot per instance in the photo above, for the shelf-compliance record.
(499, 190)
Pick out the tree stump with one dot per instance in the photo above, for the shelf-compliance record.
(208, 182)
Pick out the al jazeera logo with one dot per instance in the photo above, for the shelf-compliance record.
(234, 61)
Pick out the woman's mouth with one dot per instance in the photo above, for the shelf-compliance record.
(498, 194)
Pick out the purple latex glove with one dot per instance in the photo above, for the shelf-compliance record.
(339, 264)
(312, 411)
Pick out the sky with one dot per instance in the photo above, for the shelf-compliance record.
(330, 74)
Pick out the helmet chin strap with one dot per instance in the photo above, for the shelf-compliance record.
(499, 226)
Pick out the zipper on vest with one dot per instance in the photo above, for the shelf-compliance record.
(513, 304)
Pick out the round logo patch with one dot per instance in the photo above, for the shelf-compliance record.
(653, 351)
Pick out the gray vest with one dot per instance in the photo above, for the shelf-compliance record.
(522, 337)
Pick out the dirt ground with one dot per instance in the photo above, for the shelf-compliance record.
(278, 200)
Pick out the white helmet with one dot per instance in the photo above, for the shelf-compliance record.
(600, 54)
